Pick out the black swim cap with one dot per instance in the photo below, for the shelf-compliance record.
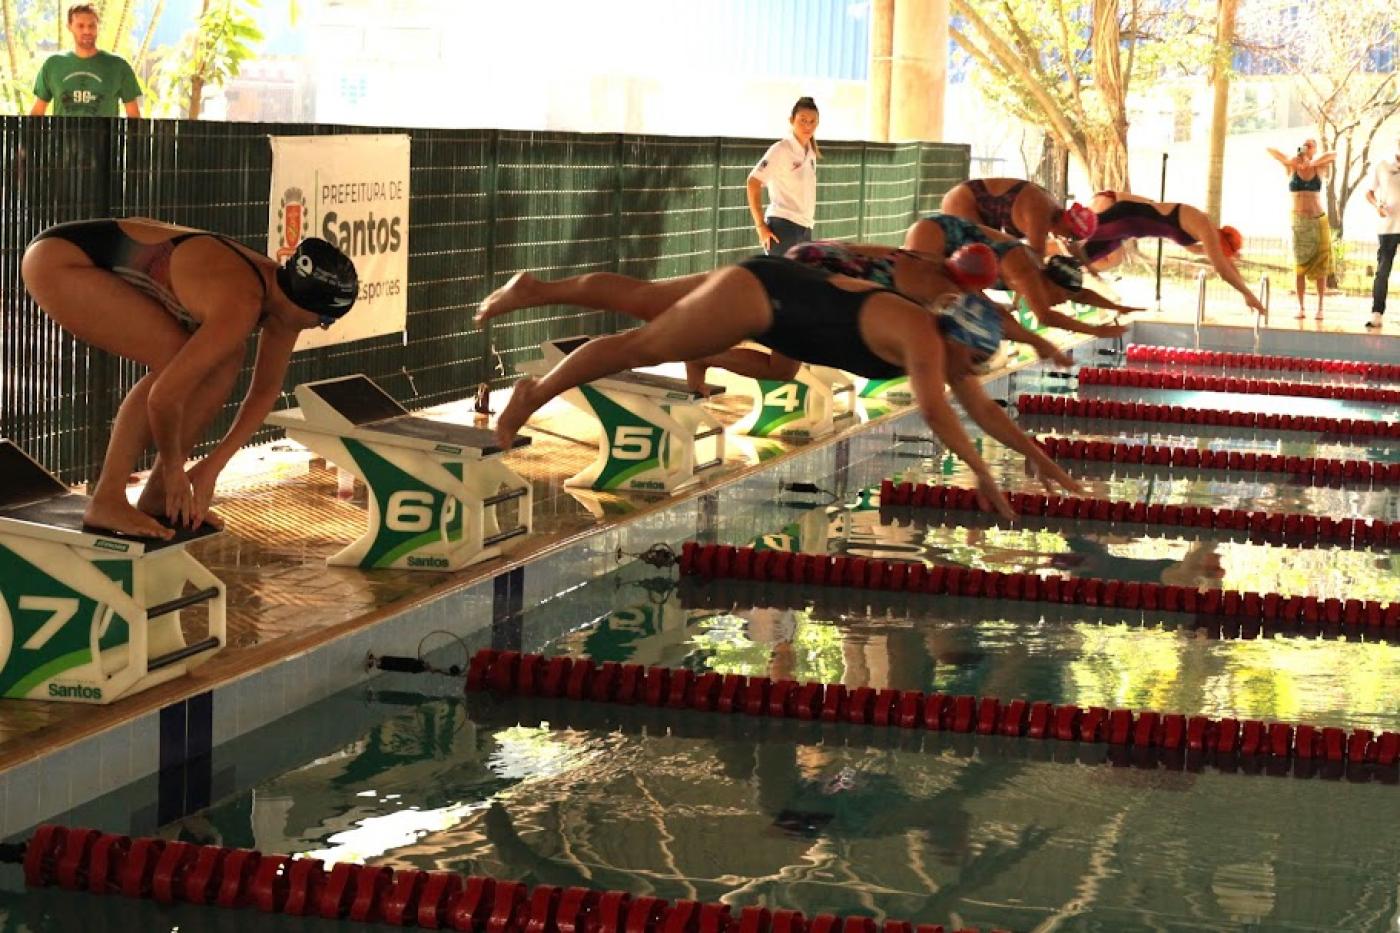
(321, 279)
(1066, 272)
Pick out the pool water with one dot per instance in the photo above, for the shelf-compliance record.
(976, 831)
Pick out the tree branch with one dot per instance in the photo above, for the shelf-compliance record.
(1017, 69)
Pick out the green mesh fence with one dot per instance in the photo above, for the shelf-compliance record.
(484, 204)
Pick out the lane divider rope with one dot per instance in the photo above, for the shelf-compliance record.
(1270, 526)
(838, 603)
(1145, 379)
(171, 872)
(1359, 754)
(1304, 469)
(1065, 406)
(1149, 353)
(1355, 616)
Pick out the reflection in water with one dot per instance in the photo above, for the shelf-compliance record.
(931, 827)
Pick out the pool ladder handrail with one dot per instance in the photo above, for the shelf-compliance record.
(1264, 290)
(1200, 304)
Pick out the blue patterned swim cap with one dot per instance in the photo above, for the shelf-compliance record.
(973, 321)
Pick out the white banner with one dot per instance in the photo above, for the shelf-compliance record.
(352, 191)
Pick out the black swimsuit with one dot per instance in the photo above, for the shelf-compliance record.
(144, 266)
(815, 321)
(1128, 219)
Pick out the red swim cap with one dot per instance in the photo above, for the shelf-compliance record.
(973, 267)
(1231, 241)
(1081, 221)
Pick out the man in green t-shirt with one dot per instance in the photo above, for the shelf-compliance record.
(85, 82)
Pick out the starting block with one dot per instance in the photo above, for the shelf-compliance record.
(808, 406)
(434, 488)
(86, 615)
(654, 430)
(894, 391)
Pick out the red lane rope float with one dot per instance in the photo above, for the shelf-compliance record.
(1359, 753)
(832, 603)
(1271, 526)
(102, 863)
(1061, 405)
(1307, 469)
(1148, 353)
(839, 570)
(1144, 379)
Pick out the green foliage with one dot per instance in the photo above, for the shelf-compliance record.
(1168, 40)
(207, 56)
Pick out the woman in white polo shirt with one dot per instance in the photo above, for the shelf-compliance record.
(789, 170)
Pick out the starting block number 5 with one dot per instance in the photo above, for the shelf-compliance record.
(784, 396)
(633, 442)
(412, 511)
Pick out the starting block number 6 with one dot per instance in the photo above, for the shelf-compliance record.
(784, 397)
(633, 442)
(412, 511)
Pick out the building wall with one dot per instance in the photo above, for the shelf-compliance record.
(731, 67)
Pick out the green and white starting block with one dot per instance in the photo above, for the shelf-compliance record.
(655, 436)
(808, 406)
(894, 391)
(89, 616)
(435, 488)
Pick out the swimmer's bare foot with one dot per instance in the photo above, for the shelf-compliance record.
(695, 378)
(518, 293)
(124, 518)
(524, 399)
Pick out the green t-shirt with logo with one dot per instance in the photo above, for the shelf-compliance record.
(86, 87)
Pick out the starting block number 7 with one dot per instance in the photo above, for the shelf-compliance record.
(60, 610)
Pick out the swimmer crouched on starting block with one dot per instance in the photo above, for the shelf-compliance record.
(180, 302)
(805, 314)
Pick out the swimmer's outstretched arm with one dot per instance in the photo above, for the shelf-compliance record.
(990, 417)
(275, 346)
(923, 361)
(1048, 316)
(1043, 348)
(1087, 296)
(1209, 246)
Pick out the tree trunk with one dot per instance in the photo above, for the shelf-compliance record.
(1107, 143)
(1220, 113)
(196, 97)
(145, 49)
(12, 85)
(197, 82)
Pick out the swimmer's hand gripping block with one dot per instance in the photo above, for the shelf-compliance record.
(436, 490)
(87, 616)
(654, 436)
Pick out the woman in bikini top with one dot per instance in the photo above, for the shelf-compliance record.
(1019, 208)
(1124, 216)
